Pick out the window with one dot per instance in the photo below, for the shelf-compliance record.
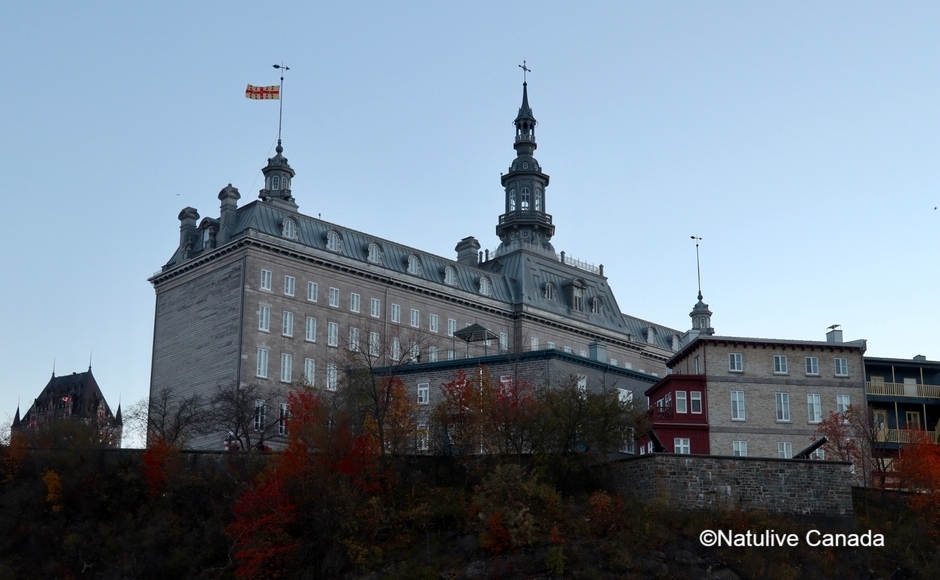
(266, 279)
(334, 297)
(737, 405)
(283, 416)
(354, 302)
(353, 339)
(503, 341)
(415, 318)
(628, 441)
(375, 346)
(432, 354)
(259, 415)
(625, 396)
(681, 402)
(311, 329)
(842, 403)
(414, 266)
(264, 318)
(818, 455)
(331, 377)
(584, 353)
(780, 364)
(512, 200)
(534, 343)
(567, 349)
(812, 365)
(484, 286)
(432, 323)
(422, 442)
(288, 285)
(415, 352)
(206, 236)
(538, 199)
(451, 326)
(550, 291)
(332, 334)
(577, 302)
(813, 408)
(525, 198)
(375, 256)
(551, 346)
(287, 361)
(376, 308)
(332, 241)
(783, 407)
(262, 370)
(682, 445)
(697, 366)
(582, 384)
(735, 362)
(287, 325)
(424, 393)
(842, 367)
(596, 306)
(784, 450)
(451, 355)
(312, 290)
(276, 182)
(396, 349)
(450, 276)
(396, 313)
(310, 370)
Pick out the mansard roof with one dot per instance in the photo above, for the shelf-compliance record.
(76, 395)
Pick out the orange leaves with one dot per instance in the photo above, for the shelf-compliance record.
(918, 467)
(158, 462)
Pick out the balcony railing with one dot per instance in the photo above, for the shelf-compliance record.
(903, 435)
(903, 390)
(526, 215)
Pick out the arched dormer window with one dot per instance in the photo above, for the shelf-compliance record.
(333, 241)
(414, 265)
(538, 200)
(289, 229)
(512, 200)
(577, 296)
(485, 286)
(525, 198)
(675, 342)
(275, 183)
(206, 236)
(285, 183)
(651, 335)
(375, 254)
(596, 306)
(450, 276)
(550, 291)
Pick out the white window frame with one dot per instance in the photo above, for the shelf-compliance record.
(266, 280)
(313, 289)
(738, 406)
(624, 396)
(283, 416)
(415, 318)
(422, 437)
(375, 344)
(414, 265)
(813, 408)
(681, 402)
(355, 301)
(261, 369)
(332, 378)
(780, 364)
(332, 334)
(334, 297)
(782, 403)
(842, 366)
(432, 354)
(785, 450)
(485, 286)
(451, 354)
(534, 343)
(375, 309)
(415, 352)
(696, 366)
(353, 339)
(695, 400)
(289, 285)
(812, 366)
(432, 322)
(682, 446)
(310, 371)
(451, 326)
(287, 363)
(258, 422)
(842, 403)
(503, 341)
(396, 313)
(264, 318)
(628, 441)
(582, 385)
(424, 393)
(310, 329)
(396, 348)
(735, 362)
(287, 324)
(450, 276)
(333, 241)
(739, 448)
(375, 255)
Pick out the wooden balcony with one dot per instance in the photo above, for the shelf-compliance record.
(903, 435)
(903, 390)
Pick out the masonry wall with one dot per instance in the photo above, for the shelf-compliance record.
(815, 488)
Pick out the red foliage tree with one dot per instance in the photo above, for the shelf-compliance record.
(918, 468)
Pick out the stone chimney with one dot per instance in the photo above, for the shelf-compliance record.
(467, 251)
(188, 218)
(229, 197)
(834, 334)
(598, 351)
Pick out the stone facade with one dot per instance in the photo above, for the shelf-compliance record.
(811, 488)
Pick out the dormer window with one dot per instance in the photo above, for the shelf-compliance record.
(450, 276)
(577, 298)
(375, 254)
(206, 236)
(289, 229)
(525, 198)
(484, 286)
(512, 200)
(285, 183)
(651, 335)
(414, 266)
(333, 241)
(275, 183)
(550, 291)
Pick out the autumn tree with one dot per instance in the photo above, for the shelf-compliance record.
(248, 414)
(169, 418)
(918, 470)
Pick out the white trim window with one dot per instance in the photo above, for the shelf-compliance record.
(375, 310)
(628, 441)
(288, 285)
(450, 276)
(312, 290)
(504, 341)
(739, 448)
(451, 326)
(582, 385)
(396, 313)
(566, 349)
(353, 339)
(424, 393)
(735, 362)
(375, 344)
(784, 450)
(261, 370)
(697, 366)
(451, 354)
(287, 324)
(331, 377)
(432, 354)
(287, 362)
(334, 297)
(332, 334)
(266, 280)
(737, 406)
(354, 302)
(583, 353)
(264, 318)
(259, 415)
(423, 438)
(415, 352)
(415, 318)
(534, 343)
(484, 286)
(375, 255)
(396, 348)
(812, 365)
(783, 407)
(414, 266)
(842, 403)
(333, 242)
(682, 445)
(310, 371)
(311, 329)
(695, 402)
(432, 322)
(681, 403)
(780, 364)
(842, 367)
(813, 408)
(282, 418)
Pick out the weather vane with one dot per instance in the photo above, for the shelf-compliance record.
(525, 70)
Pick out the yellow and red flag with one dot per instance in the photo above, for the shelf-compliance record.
(265, 93)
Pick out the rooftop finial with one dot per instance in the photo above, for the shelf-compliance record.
(525, 70)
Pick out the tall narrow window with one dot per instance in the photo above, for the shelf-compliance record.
(287, 326)
(375, 345)
(578, 299)
(310, 371)
(432, 323)
(415, 318)
(814, 408)
(289, 229)
(432, 354)
(312, 290)
(596, 305)
(396, 348)
(259, 415)
(503, 341)
(332, 241)
(311, 329)
(376, 309)
(288, 285)
(695, 400)
(512, 200)
(264, 318)
(265, 279)
(780, 364)
(525, 199)
(422, 442)
(582, 384)
(737, 405)
(842, 367)
(353, 339)
(812, 365)
(842, 403)
(334, 297)
(276, 182)
(538, 200)
(783, 407)
(414, 266)
(283, 416)
(331, 377)
(451, 326)
(697, 366)
(262, 368)
(550, 291)
(484, 286)
(287, 362)
(450, 276)
(415, 352)
(375, 255)
(534, 343)
(332, 334)
(681, 402)
(735, 362)
(396, 313)
(354, 302)
(784, 450)
(424, 393)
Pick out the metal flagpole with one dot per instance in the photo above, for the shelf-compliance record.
(698, 267)
(280, 98)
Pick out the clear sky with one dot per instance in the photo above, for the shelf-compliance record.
(800, 140)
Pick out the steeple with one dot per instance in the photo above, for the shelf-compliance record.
(525, 221)
(701, 317)
(277, 178)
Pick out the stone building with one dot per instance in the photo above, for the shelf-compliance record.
(74, 397)
(265, 294)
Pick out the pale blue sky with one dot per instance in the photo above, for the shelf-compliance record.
(800, 140)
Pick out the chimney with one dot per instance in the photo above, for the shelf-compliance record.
(229, 197)
(188, 218)
(598, 351)
(467, 249)
(834, 334)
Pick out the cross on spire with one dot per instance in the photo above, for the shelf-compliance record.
(525, 70)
